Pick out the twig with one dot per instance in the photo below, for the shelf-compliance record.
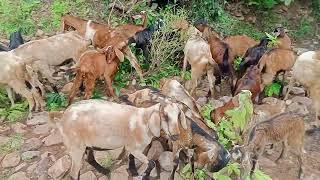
(114, 3)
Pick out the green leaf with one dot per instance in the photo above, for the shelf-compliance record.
(259, 175)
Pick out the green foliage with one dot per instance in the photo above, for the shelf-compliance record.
(14, 144)
(96, 94)
(17, 14)
(15, 113)
(316, 8)
(55, 101)
(305, 28)
(260, 175)
(186, 173)
(273, 89)
(206, 9)
(232, 169)
(107, 162)
(58, 8)
(272, 40)
(267, 4)
(237, 63)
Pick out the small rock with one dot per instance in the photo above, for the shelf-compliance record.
(67, 88)
(288, 102)
(103, 178)
(265, 162)
(39, 33)
(18, 168)
(42, 129)
(53, 139)
(165, 176)
(88, 176)
(19, 128)
(59, 167)
(225, 99)
(42, 166)
(4, 129)
(155, 150)
(120, 173)
(19, 176)
(187, 85)
(4, 140)
(301, 109)
(302, 100)
(11, 160)
(294, 90)
(252, 19)
(202, 101)
(44, 177)
(38, 119)
(165, 160)
(31, 144)
(28, 155)
(31, 168)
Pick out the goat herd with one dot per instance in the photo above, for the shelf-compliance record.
(171, 115)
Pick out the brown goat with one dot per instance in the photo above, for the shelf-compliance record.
(240, 44)
(283, 40)
(219, 112)
(274, 61)
(287, 128)
(250, 81)
(93, 65)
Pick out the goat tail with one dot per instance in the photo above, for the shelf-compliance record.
(55, 116)
(225, 61)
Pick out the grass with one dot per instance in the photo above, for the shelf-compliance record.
(107, 162)
(14, 144)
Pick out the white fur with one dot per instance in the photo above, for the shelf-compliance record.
(89, 31)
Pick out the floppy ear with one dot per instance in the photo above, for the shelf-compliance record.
(119, 54)
(154, 124)
(183, 119)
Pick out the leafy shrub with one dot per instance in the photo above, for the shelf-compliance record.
(267, 4)
(272, 40)
(206, 9)
(316, 8)
(55, 101)
(273, 89)
(237, 63)
(200, 174)
(15, 113)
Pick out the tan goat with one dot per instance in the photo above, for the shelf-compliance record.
(197, 54)
(52, 51)
(306, 71)
(106, 125)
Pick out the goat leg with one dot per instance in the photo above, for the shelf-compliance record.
(92, 161)
(283, 152)
(132, 166)
(89, 83)
(147, 172)
(76, 85)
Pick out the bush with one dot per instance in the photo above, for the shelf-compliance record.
(55, 101)
(267, 4)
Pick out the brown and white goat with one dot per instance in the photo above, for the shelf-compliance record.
(250, 81)
(286, 128)
(52, 51)
(273, 62)
(306, 71)
(240, 44)
(197, 54)
(105, 125)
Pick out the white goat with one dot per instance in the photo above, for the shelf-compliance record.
(14, 74)
(106, 125)
(52, 51)
(197, 53)
(306, 71)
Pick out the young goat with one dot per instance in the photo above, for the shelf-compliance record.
(286, 128)
(283, 40)
(197, 54)
(306, 71)
(240, 44)
(250, 81)
(253, 55)
(105, 125)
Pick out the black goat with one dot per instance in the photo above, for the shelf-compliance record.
(253, 55)
(143, 38)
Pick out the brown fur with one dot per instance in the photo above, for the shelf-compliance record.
(287, 128)
(219, 112)
(250, 81)
(240, 44)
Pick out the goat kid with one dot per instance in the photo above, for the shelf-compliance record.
(283, 40)
(106, 125)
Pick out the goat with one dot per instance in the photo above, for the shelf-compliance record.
(91, 66)
(240, 44)
(283, 40)
(106, 125)
(306, 71)
(221, 52)
(197, 54)
(52, 51)
(250, 81)
(274, 61)
(253, 55)
(287, 128)
(205, 142)
(14, 75)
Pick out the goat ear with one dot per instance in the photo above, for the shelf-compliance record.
(119, 55)
(154, 124)
(183, 120)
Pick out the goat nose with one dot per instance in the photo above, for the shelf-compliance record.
(174, 137)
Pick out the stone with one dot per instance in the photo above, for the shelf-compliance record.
(302, 100)
(4, 129)
(11, 160)
(53, 139)
(32, 144)
(60, 167)
(294, 91)
(42, 166)
(165, 176)
(39, 33)
(187, 85)
(88, 176)
(18, 128)
(31, 168)
(42, 129)
(225, 99)
(301, 109)
(18, 168)
(166, 160)
(28, 155)
(67, 88)
(43, 177)
(202, 101)
(4, 140)
(265, 162)
(103, 178)
(38, 119)
(120, 173)
(19, 176)
(155, 150)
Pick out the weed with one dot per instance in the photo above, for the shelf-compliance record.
(186, 173)
(55, 101)
(237, 63)
(316, 8)
(273, 89)
(14, 144)
(15, 113)
(96, 94)
(107, 162)
(272, 40)
(304, 29)
(6, 173)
